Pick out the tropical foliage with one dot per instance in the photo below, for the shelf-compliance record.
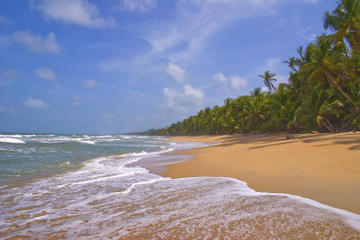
(323, 93)
(268, 78)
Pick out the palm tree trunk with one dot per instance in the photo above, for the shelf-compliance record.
(357, 40)
(334, 84)
(327, 125)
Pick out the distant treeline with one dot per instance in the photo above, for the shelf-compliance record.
(323, 93)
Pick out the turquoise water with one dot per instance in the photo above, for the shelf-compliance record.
(33, 155)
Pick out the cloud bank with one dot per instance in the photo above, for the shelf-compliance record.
(45, 73)
(138, 5)
(37, 43)
(176, 72)
(188, 99)
(35, 103)
(78, 12)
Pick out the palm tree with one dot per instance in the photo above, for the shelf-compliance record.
(300, 61)
(268, 78)
(345, 20)
(318, 106)
(323, 66)
(283, 104)
(292, 63)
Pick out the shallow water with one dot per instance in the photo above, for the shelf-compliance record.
(115, 197)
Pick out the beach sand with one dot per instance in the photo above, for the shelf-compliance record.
(322, 167)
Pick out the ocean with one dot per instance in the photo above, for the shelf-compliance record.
(56, 186)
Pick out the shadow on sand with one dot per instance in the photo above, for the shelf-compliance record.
(267, 140)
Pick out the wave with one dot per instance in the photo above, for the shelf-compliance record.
(120, 201)
(350, 218)
(125, 137)
(51, 138)
(11, 140)
(84, 141)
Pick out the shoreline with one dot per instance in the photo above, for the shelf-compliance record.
(321, 167)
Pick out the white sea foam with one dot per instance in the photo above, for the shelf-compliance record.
(84, 141)
(11, 135)
(122, 202)
(11, 140)
(126, 137)
(104, 136)
(29, 135)
(129, 189)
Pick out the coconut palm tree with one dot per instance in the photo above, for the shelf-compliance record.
(301, 60)
(317, 107)
(324, 65)
(268, 78)
(345, 20)
(292, 63)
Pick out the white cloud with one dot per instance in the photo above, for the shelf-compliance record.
(196, 21)
(193, 92)
(310, 37)
(90, 83)
(111, 65)
(45, 73)
(176, 72)
(281, 79)
(234, 82)
(36, 43)
(272, 63)
(307, 33)
(221, 77)
(79, 12)
(76, 101)
(264, 89)
(138, 5)
(8, 76)
(183, 101)
(238, 82)
(35, 103)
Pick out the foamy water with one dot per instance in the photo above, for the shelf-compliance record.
(115, 197)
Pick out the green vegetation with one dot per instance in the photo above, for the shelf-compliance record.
(323, 93)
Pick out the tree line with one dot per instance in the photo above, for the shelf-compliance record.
(323, 93)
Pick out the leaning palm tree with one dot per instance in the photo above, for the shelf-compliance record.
(268, 78)
(324, 66)
(345, 21)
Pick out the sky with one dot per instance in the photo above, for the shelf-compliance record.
(119, 66)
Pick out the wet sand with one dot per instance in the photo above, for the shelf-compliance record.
(322, 167)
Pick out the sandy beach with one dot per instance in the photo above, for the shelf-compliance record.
(322, 167)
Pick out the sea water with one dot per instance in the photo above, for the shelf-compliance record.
(108, 187)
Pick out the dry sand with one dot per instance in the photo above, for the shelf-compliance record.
(323, 167)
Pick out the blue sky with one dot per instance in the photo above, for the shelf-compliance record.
(93, 66)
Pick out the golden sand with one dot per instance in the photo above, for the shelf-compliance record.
(322, 167)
